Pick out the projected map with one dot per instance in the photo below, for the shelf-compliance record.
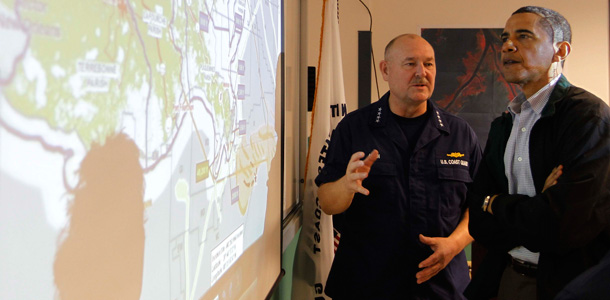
(135, 139)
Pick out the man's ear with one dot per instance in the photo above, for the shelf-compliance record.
(562, 50)
(383, 67)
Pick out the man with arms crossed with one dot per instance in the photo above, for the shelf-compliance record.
(541, 230)
(406, 221)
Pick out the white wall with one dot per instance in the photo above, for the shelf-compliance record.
(587, 66)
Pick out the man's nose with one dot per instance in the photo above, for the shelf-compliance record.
(420, 70)
(508, 46)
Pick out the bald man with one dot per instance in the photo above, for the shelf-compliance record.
(404, 205)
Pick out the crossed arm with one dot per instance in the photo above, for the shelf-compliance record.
(549, 182)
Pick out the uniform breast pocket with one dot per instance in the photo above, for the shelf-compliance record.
(453, 182)
(454, 174)
(382, 177)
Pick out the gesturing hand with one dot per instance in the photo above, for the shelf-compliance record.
(444, 251)
(357, 170)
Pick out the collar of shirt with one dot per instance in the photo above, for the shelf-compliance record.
(382, 114)
(537, 101)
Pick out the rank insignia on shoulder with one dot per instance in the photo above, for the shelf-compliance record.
(455, 154)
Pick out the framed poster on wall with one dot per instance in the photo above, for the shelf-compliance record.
(468, 78)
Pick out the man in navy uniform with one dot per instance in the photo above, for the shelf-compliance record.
(406, 221)
(541, 231)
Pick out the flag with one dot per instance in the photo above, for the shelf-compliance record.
(315, 249)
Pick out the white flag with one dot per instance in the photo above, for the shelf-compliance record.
(315, 249)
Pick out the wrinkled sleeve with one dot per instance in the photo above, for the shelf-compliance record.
(337, 155)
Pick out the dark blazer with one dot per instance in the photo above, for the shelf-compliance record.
(569, 224)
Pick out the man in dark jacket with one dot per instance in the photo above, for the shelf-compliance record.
(541, 230)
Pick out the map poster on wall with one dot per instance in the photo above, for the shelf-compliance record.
(468, 79)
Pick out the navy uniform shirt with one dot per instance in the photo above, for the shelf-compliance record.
(379, 250)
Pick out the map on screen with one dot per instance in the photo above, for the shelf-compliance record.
(136, 139)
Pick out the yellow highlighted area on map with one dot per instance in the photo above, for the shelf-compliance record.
(261, 149)
(202, 171)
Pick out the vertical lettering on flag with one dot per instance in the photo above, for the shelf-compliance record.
(315, 249)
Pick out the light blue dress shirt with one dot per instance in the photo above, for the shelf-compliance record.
(517, 157)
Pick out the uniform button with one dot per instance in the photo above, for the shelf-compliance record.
(523, 129)
(519, 158)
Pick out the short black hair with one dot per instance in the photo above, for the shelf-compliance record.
(553, 22)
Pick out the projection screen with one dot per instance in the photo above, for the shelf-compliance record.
(139, 149)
